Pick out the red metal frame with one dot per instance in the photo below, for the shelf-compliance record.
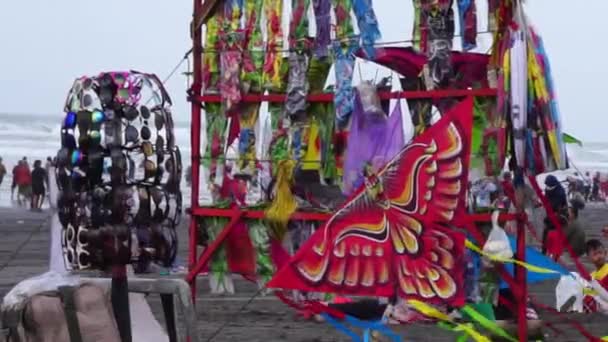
(196, 263)
(329, 97)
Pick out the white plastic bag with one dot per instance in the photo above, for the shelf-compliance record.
(569, 286)
(370, 102)
(49, 281)
(497, 244)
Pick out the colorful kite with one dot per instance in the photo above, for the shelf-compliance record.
(389, 238)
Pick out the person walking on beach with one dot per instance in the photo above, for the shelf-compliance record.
(14, 184)
(23, 182)
(588, 182)
(2, 171)
(38, 185)
(595, 189)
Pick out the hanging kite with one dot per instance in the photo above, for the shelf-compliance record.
(388, 238)
(368, 25)
(322, 10)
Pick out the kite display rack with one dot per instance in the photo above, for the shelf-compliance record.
(197, 261)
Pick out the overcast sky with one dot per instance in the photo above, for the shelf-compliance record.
(45, 44)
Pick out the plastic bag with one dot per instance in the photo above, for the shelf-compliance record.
(569, 286)
(370, 102)
(498, 244)
(46, 282)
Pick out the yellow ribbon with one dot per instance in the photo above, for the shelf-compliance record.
(430, 311)
(536, 76)
(589, 292)
(529, 267)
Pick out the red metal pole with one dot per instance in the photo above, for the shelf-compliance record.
(195, 139)
(520, 277)
(196, 269)
(329, 97)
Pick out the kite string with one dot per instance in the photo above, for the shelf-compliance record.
(243, 307)
(283, 50)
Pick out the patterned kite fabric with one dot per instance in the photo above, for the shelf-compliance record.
(278, 149)
(344, 64)
(322, 120)
(231, 58)
(368, 25)
(297, 85)
(440, 36)
(558, 146)
(279, 144)
(522, 75)
(211, 68)
(467, 13)
(419, 32)
(344, 25)
(322, 10)
(298, 27)
(214, 157)
(248, 118)
(423, 9)
(312, 153)
(493, 14)
(246, 251)
(299, 141)
(233, 10)
(420, 109)
(253, 56)
(272, 64)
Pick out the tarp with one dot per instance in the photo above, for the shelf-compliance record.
(536, 258)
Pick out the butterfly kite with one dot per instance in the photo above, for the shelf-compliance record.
(390, 237)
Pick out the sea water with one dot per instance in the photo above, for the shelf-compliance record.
(38, 137)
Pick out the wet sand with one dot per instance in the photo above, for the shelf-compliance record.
(264, 318)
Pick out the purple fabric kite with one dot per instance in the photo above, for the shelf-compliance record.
(374, 139)
(322, 9)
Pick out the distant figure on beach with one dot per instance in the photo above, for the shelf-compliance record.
(48, 165)
(39, 181)
(555, 193)
(14, 184)
(2, 171)
(595, 188)
(24, 159)
(23, 182)
(188, 176)
(588, 182)
(574, 234)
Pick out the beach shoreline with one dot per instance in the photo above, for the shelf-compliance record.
(265, 318)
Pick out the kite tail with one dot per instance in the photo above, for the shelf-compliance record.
(284, 203)
(322, 10)
(468, 24)
(368, 25)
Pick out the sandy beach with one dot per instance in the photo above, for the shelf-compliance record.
(24, 252)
